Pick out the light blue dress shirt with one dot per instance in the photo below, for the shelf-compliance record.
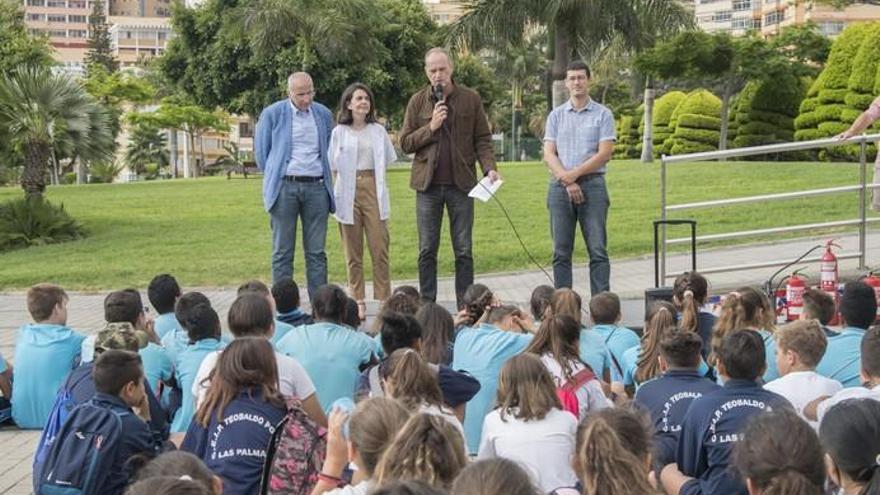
(305, 160)
(577, 133)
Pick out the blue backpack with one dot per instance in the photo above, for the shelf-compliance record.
(80, 458)
(61, 409)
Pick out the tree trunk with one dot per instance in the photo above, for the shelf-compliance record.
(561, 51)
(202, 161)
(648, 123)
(186, 153)
(725, 104)
(172, 144)
(33, 177)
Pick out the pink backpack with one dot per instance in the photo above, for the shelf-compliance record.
(567, 393)
(295, 454)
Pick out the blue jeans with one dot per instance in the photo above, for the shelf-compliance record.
(429, 217)
(592, 216)
(310, 202)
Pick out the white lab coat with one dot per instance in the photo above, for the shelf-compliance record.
(343, 161)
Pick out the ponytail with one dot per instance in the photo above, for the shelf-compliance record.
(605, 462)
(690, 290)
(872, 487)
(410, 380)
(791, 482)
(742, 309)
(689, 312)
(661, 320)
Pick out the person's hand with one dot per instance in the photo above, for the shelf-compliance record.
(575, 193)
(142, 408)
(843, 136)
(525, 322)
(337, 446)
(150, 329)
(493, 176)
(439, 115)
(568, 177)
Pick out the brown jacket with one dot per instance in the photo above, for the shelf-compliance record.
(471, 138)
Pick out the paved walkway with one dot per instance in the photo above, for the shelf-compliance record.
(629, 278)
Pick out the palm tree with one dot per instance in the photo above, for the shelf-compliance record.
(326, 28)
(576, 27)
(48, 115)
(147, 145)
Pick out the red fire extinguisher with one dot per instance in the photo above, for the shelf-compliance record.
(794, 296)
(874, 281)
(829, 277)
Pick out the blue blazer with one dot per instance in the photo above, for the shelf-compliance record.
(272, 147)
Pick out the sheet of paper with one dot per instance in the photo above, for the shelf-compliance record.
(485, 189)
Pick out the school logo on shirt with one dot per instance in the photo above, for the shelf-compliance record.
(726, 408)
(669, 426)
(239, 451)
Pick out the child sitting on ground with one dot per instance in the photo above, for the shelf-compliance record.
(285, 292)
(45, 351)
(605, 314)
(163, 293)
(689, 294)
(858, 308)
(799, 348)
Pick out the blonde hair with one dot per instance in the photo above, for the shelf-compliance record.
(428, 448)
(806, 338)
(526, 389)
(372, 428)
(613, 449)
(660, 324)
(409, 379)
(690, 290)
(743, 308)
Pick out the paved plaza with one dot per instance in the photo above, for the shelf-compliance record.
(629, 278)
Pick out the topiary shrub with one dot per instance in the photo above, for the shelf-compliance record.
(33, 221)
(766, 111)
(661, 116)
(687, 139)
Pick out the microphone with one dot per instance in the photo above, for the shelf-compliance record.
(437, 93)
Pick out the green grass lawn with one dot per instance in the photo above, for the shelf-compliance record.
(214, 232)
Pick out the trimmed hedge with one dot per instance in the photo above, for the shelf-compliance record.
(832, 127)
(696, 121)
(809, 104)
(697, 135)
(833, 95)
(661, 115)
(766, 110)
(688, 139)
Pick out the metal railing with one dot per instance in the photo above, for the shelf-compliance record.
(862, 187)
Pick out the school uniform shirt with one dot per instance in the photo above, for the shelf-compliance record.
(617, 339)
(590, 396)
(157, 365)
(846, 394)
(175, 341)
(543, 447)
(667, 399)
(331, 355)
(293, 381)
(185, 369)
(82, 389)
(631, 367)
(772, 371)
(234, 447)
(281, 329)
(595, 353)
(705, 324)
(136, 439)
(711, 427)
(44, 355)
(457, 387)
(165, 324)
(803, 387)
(295, 318)
(843, 357)
(482, 351)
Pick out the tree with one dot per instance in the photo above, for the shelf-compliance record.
(99, 53)
(43, 113)
(147, 145)
(17, 47)
(576, 27)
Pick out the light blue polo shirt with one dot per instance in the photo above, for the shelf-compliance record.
(305, 158)
(3, 364)
(482, 351)
(331, 355)
(594, 353)
(157, 365)
(186, 368)
(44, 354)
(617, 339)
(164, 324)
(772, 372)
(843, 357)
(577, 133)
(281, 329)
(175, 341)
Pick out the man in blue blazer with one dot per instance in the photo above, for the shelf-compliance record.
(290, 147)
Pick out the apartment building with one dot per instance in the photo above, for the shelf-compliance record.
(768, 17)
(444, 11)
(135, 39)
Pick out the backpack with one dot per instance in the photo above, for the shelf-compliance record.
(80, 459)
(295, 455)
(567, 393)
(61, 409)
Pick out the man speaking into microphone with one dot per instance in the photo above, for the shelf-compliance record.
(446, 128)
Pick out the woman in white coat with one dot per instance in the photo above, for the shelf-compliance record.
(360, 151)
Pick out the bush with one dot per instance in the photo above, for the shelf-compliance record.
(33, 221)
(858, 101)
(829, 112)
(833, 95)
(775, 119)
(661, 115)
(682, 147)
(843, 53)
(832, 128)
(809, 104)
(704, 136)
(864, 65)
(690, 140)
(808, 134)
(700, 121)
(69, 178)
(103, 172)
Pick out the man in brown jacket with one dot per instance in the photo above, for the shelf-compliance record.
(446, 128)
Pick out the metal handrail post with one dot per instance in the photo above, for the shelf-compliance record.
(663, 217)
(863, 213)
